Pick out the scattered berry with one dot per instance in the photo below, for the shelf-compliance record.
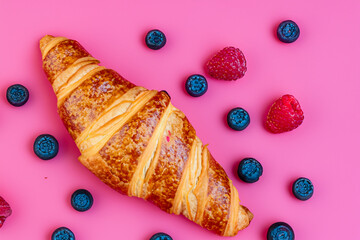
(249, 170)
(227, 64)
(303, 189)
(160, 236)
(5, 211)
(284, 115)
(155, 39)
(81, 200)
(196, 85)
(288, 31)
(46, 146)
(63, 233)
(280, 231)
(17, 95)
(238, 119)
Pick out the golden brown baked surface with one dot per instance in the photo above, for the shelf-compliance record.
(137, 142)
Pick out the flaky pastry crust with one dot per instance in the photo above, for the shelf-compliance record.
(137, 142)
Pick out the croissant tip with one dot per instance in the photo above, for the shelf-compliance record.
(44, 41)
(245, 217)
(250, 215)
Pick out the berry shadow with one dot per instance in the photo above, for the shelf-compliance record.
(49, 234)
(182, 84)
(274, 32)
(204, 68)
(225, 119)
(143, 39)
(266, 111)
(264, 232)
(234, 168)
(31, 145)
(289, 187)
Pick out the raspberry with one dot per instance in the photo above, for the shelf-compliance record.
(228, 64)
(5, 211)
(284, 115)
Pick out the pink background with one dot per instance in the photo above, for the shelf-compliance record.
(321, 70)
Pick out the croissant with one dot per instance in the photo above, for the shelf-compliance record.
(137, 142)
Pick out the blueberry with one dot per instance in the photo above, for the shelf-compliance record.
(238, 119)
(196, 85)
(160, 236)
(303, 189)
(249, 170)
(46, 146)
(81, 200)
(155, 39)
(17, 95)
(288, 31)
(280, 231)
(63, 233)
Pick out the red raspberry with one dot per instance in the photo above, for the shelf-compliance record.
(284, 115)
(227, 64)
(5, 211)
